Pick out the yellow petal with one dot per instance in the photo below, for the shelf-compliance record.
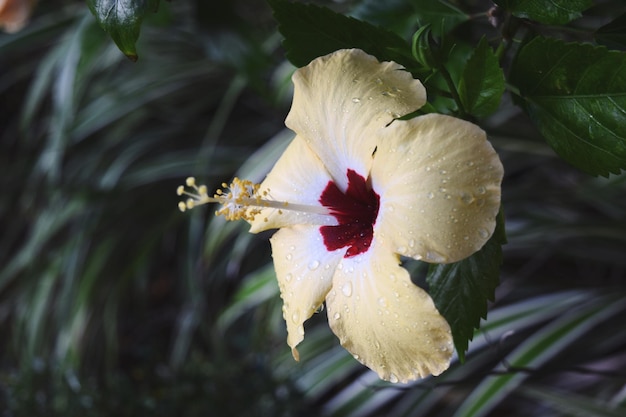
(304, 269)
(298, 177)
(439, 184)
(385, 321)
(340, 102)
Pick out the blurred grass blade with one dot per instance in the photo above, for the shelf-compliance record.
(572, 404)
(544, 344)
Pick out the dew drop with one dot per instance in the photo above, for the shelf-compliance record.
(288, 256)
(295, 317)
(435, 257)
(288, 277)
(393, 379)
(382, 302)
(483, 233)
(427, 169)
(443, 172)
(393, 277)
(301, 330)
(347, 289)
(337, 316)
(292, 247)
(481, 190)
(355, 356)
(314, 265)
(430, 196)
(467, 198)
(412, 243)
(356, 100)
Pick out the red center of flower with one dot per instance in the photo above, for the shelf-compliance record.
(356, 212)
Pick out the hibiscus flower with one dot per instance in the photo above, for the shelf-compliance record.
(357, 189)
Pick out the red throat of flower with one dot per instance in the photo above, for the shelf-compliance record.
(355, 210)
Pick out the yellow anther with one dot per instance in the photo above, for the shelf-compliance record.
(242, 199)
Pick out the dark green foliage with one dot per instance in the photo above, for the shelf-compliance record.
(576, 95)
(482, 83)
(122, 19)
(442, 15)
(461, 290)
(546, 11)
(311, 31)
(613, 34)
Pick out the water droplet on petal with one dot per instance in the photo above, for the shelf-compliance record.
(483, 233)
(430, 196)
(314, 265)
(382, 302)
(436, 257)
(288, 277)
(467, 198)
(301, 330)
(393, 379)
(481, 190)
(288, 256)
(356, 100)
(347, 289)
(295, 317)
(337, 316)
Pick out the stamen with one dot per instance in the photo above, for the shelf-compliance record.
(240, 200)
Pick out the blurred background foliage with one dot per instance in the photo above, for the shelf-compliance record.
(114, 303)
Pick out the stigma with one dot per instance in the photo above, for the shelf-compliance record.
(240, 200)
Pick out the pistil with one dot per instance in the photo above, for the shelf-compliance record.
(242, 199)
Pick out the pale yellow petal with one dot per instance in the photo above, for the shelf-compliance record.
(342, 100)
(439, 184)
(304, 269)
(298, 177)
(385, 321)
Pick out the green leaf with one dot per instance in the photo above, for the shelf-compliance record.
(440, 14)
(121, 19)
(572, 403)
(576, 95)
(552, 12)
(461, 290)
(482, 83)
(540, 347)
(613, 34)
(311, 31)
